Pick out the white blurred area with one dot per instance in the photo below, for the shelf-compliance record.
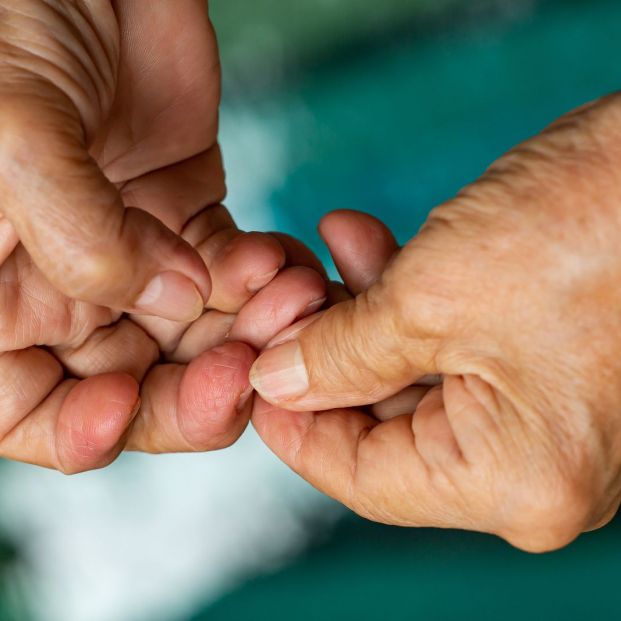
(154, 537)
(255, 150)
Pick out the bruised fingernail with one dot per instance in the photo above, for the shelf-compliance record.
(279, 374)
(173, 296)
(258, 282)
(292, 331)
(244, 398)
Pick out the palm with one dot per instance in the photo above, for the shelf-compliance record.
(168, 90)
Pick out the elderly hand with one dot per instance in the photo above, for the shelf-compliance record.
(80, 381)
(103, 105)
(510, 293)
(106, 382)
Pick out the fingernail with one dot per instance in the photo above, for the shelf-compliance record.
(312, 307)
(258, 282)
(244, 398)
(173, 296)
(279, 374)
(292, 331)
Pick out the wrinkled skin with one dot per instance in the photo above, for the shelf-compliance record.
(511, 294)
(137, 84)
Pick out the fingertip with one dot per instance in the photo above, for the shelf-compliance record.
(268, 259)
(345, 218)
(213, 396)
(298, 253)
(361, 246)
(331, 223)
(94, 417)
(245, 265)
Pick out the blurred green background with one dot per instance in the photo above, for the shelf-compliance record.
(387, 106)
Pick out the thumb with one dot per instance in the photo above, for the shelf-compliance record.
(356, 353)
(73, 223)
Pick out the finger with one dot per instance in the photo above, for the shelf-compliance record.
(200, 407)
(298, 253)
(373, 468)
(211, 330)
(353, 355)
(360, 245)
(78, 426)
(431, 423)
(294, 293)
(240, 266)
(28, 376)
(356, 353)
(178, 193)
(120, 348)
(403, 402)
(400, 404)
(33, 312)
(73, 223)
(211, 223)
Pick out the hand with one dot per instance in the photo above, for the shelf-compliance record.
(106, 382)
(80, 381)
(103, 104)
(510, 293)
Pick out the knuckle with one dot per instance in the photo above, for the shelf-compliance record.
(423, 300)
(548, 516)
(372, 509)
(91, 275)
(346, 360)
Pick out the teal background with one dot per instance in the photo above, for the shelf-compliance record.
(372, 572)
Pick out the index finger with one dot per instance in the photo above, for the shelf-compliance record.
(376, 469)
